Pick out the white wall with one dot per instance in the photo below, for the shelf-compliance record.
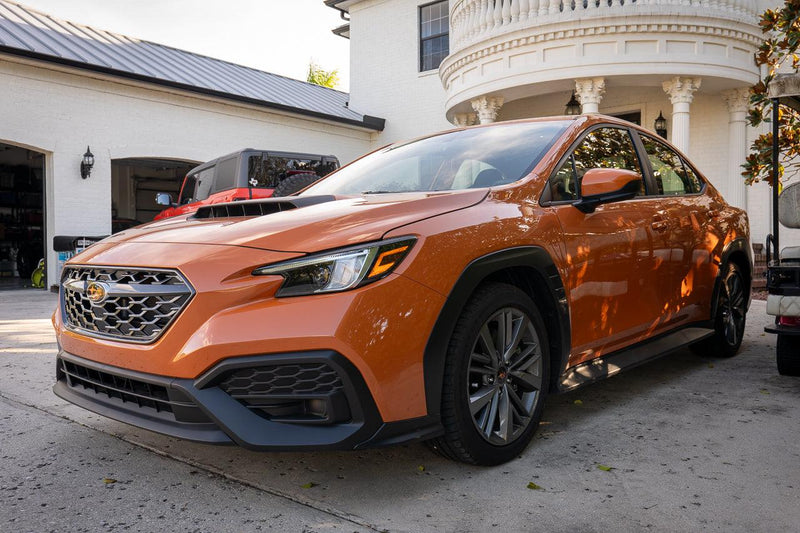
(60, 113)
(384, 70)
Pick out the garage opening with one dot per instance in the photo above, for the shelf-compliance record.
(134, 184)
(21, 216)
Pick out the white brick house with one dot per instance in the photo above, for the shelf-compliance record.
(691, 60)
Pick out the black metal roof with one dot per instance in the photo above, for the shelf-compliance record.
(28, 33)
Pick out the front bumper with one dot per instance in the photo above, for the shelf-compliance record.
(223, 407)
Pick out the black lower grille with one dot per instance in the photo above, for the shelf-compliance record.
(302, 392)
(130, 391)
(282, 380)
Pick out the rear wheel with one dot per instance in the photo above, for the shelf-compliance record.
(495, 379)
(788, 355)
(730, 319)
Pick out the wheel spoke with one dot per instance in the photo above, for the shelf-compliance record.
(479, 399)
(481, 359)
(518, 329)
(502, 333)
(491, 412)
(506, 415)
(486, 337)
(527, 381)
(516, 401)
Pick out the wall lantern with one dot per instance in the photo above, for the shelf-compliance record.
(660, 125)
(87, 163)
(573, 106)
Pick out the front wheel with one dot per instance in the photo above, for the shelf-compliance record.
(730, 319)
(495, 379)
(788, 355)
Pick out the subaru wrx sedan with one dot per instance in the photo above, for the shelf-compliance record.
(437, 289)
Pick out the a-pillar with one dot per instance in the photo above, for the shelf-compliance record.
(737, 101)
(681, 93)
(487, 107)
(590, 92)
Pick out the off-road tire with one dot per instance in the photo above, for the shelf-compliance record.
(731, 317)
(463, 439)
(294, 183)
(788, 355)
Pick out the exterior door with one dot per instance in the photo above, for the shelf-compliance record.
(612, 270)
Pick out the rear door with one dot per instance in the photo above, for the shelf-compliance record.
(612, 274)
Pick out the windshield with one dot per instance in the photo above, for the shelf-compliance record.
(472, 158)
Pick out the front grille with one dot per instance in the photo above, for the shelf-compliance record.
(306, 379)
(129, 391)
(137, 306)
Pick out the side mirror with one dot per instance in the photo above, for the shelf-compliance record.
(164, 199)
(605, 185)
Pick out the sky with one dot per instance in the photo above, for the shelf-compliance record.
(279, 36)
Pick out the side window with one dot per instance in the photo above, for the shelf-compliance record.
(267, 172)
(205, 179)
(602, 148)
(225, 178)
(187, 193)
(672, 177)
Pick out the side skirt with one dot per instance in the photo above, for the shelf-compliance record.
(614, 363)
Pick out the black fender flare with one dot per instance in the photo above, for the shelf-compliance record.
(737, 245)
(473, 275)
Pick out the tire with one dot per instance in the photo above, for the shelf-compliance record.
(491, 406)
(788, 355)
(731, 317)
(294, 183)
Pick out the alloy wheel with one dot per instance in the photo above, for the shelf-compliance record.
(733, 308)
(504, 376)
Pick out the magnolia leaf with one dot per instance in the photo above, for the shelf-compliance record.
(308, 485)
(534, 486)
(605, 468)
(578, 402)
(108, 480)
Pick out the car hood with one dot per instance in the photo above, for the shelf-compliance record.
(331, 222)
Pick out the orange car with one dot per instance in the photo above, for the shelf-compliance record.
(436, 289)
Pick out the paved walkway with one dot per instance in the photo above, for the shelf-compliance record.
(694, 444)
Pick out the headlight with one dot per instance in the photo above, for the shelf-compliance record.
(339, 270)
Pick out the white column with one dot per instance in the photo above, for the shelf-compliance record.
(487, 107)
(590, 92)
(465, 119)
(681, 93)
(737, 101)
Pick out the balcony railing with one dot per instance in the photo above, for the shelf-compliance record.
(475, 20)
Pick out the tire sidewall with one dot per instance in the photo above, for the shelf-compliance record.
(482, 451)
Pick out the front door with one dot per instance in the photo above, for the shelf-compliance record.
(612, 274)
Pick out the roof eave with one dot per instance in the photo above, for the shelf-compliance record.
(368, 122)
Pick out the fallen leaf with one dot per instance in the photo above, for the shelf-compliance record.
(421, 468)
(764, 391)
(605, 468)
(108, 480)
(578, 402)
(543, 423)
(534, 486)
(308, 485)
(710, 365)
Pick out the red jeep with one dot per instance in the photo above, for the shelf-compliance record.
(245, 175)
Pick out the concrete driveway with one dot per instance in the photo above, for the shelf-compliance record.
(692, 444)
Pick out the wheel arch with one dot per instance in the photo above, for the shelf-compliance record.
(531, 269)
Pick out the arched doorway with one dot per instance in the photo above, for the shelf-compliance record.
(22, 214)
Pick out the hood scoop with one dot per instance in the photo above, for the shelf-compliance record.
(255, 208)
